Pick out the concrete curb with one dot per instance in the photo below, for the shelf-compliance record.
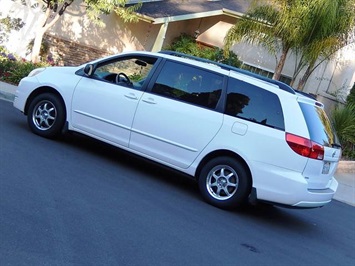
(7, 91)
(7, 96)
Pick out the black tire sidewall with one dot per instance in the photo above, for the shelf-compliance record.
(57, 127)
(244, 185)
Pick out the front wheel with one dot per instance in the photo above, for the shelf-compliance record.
(224, 183)
(46, 115)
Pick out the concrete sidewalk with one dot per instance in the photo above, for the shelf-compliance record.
(345, 173)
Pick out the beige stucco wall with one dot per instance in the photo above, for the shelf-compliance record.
(114, 37)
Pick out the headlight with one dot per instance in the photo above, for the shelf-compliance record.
(36, 71)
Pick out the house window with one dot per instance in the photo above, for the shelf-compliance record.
(265, 73)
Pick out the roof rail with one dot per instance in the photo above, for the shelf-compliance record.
(280, 84)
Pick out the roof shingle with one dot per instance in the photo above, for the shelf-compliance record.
(171, 8)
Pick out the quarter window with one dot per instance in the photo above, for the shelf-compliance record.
(189, 84)
(254, 104)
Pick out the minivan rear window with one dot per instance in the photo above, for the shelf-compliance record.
(319, 127)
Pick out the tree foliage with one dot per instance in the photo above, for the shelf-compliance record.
(325, 27)
(7, 24)
(95, 8)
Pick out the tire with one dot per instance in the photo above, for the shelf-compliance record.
(224, 183)
(46, 115)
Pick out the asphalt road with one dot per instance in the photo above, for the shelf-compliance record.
(76, 201)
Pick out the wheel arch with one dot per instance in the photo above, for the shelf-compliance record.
(41, 90)
(223, 153)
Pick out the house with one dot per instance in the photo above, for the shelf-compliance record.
(75, 39)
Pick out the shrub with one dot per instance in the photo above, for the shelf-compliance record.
(184, 44)
(343, 119)
(187, 44)
(351, 96)
(13, 69)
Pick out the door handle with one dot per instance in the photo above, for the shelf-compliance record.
(149, 100)
(131, 96)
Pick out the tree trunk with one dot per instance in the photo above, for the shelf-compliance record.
(44, 25)
(39, 37)
(36, 48)
(280, 64)
(292, 82)
(35, 58)
(302, 82)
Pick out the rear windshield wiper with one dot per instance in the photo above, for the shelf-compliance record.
(336, 145)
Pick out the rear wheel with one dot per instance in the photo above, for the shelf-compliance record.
(46, 115)
(224, 183)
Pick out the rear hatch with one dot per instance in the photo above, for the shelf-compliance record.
(319, 172)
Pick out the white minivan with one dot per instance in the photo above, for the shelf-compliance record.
(241, 136)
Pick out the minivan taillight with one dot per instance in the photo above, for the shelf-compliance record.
(305, 147)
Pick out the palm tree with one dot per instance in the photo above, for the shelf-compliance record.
(326, 27)
(343, 120)
(271, 25)
(311, 29)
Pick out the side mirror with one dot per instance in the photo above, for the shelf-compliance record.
(140, 63)
(89, 70)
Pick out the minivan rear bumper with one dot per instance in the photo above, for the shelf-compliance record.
(290, 188)
(318, 197)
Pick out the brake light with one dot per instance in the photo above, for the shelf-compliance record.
(305, 147)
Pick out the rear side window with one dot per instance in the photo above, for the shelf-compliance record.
(319, 127)
(252, 103)
(189, 84)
